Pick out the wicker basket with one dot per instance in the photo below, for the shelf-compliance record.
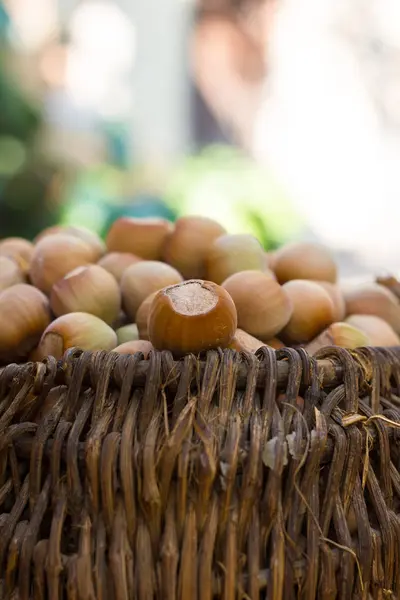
(236, 476)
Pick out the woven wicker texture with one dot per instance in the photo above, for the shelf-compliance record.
(236, 477)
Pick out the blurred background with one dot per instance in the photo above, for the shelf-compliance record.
(276, 117)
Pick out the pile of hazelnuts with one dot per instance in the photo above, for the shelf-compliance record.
(186, 287)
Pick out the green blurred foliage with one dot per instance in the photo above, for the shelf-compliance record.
(25, 181)
(19, 118)
(223, 183)
(27, 203)
(220, 182)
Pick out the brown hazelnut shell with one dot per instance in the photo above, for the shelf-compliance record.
(134, 346)
(24, 315)
(142, 279)
(192, 316)
(90, 289)
(75, 330)
(142, 237)
(19, 249)
(313, 311)
(10, 272)
(230, 254)
(186, 248)
(116, 263)
(262, 305)
(55, 256)
(304, 260)
(374, 299)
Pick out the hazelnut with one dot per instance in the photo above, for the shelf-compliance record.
(187, 246)
(75, 330)
(192, 316)
(337, 297)
(142, 237)
(231, 254)
(142, 279)
(142, 316)
(89, 237)
(374, 299)
(262, 305)
(89, 289)
(132, 347)
(339, 334)
(127, 333)
(10, 273)
(24, 315)
(304, 260)
(313, 310)
(19, 249)
(116, 263)
(380, 333)
(244, 342)
(55, 256)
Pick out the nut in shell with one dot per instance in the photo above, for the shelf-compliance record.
(19, 249)
(135, 346)
(231, 254)
(116, 263)
(343, 335)
(192, 316)
(374, 299)
(10, 272)
(244, 342)
(75, 330)
(55, 256)
(186, 248)
(313, 311)
(142, 279)
(86, 235)
(24, 315)
(304, 260)
(142, 317)
(89, 289)
(380, 333)
(143, 237)
(127, 333)
(262, 304)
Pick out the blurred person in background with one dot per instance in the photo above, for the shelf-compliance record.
(311, 90)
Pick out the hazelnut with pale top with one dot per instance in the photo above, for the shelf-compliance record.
(192, 316)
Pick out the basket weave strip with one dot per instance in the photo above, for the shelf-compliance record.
(236, 476)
